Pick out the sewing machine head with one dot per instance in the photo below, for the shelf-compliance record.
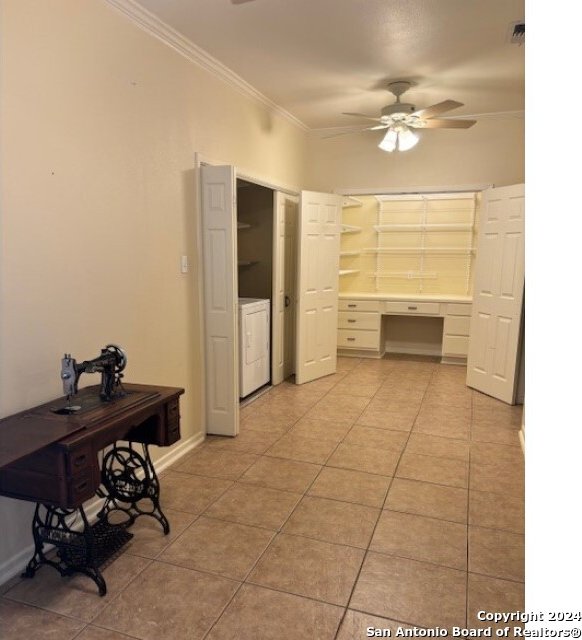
(110, 363)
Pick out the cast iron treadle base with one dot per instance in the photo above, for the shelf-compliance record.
(128, 479)
(78, 551)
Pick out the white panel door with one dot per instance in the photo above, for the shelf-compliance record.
(284, 279)
(220, 298)
(317, 285)
(492, 363)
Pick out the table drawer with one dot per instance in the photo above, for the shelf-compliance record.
(346, 338)
(359, 305)
(359, 320)
(413, 308)
(455, 345)
(458, 309)
(457, 325)
(81, 487)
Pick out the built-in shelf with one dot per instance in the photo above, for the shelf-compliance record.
(350, 201)
(350, 228)
(247, 263)
(445, 251)
(349, 253)
(405, 275)
(242, 225)
(383, 228)
(345, 272)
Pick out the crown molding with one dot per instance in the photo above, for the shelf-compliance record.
(151, 24)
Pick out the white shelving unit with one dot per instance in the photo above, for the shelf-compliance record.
(405, 275)
(386, 228)
(350, 201)
(350, 228)
(448, 251)
(442, 247)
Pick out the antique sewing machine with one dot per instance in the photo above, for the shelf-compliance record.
(110, 363)
(60, 456)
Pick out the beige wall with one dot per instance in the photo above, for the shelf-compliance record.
(491, 152)
(100, 123)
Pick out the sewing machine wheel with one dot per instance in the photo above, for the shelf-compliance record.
(125, 474)
(121, 356)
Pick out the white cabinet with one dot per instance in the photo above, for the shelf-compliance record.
(456, 332)
(413, 308)
(359, 324)
(361, 330)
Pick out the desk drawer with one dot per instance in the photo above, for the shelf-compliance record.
(353, 339)
(458, 309)
(455, 345)
(359, 305)
(413, 308)
(359, 320)
(457, 325)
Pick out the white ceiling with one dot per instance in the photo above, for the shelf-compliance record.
(318, 58)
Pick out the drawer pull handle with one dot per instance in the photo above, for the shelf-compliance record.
(81, 486)
(352, 306)
(351, 320)
(80, 460)
(412, 308)
(351, 339)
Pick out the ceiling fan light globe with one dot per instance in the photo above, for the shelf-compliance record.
(388, 142)
(406, 139)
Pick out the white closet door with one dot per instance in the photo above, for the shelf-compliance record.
(284, 295)
(220, 298)
(317, 284)
(492, 363)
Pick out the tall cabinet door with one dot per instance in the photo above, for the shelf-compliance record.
(220, 298)
(317, 285)
(284, 285)
(493, 359)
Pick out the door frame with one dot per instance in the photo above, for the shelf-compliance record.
(201, 159)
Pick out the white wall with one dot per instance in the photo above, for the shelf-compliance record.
(491, 152)
(99, 126)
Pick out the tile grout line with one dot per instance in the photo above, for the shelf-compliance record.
(367, 551)
(277, 533)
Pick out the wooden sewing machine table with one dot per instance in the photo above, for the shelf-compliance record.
(52, 457)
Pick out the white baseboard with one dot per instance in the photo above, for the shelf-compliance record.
(360, 353)
(453, 360)
(16, 564)
(413, 349)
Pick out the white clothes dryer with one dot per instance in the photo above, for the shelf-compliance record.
(254, 330)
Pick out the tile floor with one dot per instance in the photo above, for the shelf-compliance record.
(386, 495)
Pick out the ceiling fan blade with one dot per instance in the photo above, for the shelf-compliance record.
(447, 123)
(358, 130)
(492, 115)
(437, 109)
(362, 115)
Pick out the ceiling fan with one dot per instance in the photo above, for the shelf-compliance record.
(401, 118)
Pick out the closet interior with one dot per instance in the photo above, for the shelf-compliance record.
(255, 285)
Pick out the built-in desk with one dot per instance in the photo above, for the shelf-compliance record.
(362, 333)
(51, 457)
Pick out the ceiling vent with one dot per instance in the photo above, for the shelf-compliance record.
(517, 32)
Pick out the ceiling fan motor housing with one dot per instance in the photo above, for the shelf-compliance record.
(398, 107)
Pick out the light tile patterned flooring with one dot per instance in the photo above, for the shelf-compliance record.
(386, 495)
